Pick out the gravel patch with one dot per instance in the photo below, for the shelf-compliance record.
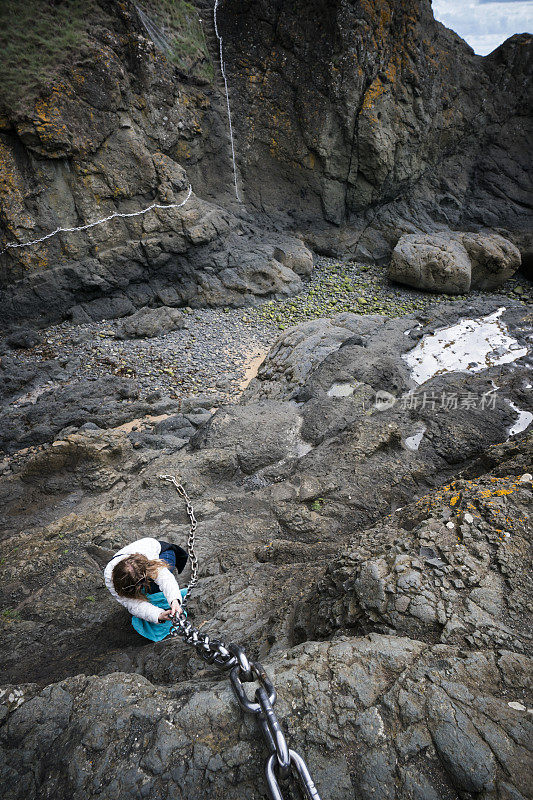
(219, 350)
(335, 287)
(212, 354)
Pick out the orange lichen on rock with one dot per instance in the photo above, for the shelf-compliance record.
(11, 191)
(49, 123)
(375, 91)
(378, 11)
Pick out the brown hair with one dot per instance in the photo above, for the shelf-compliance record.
(132, 574)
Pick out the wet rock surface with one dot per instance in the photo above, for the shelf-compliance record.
(383, 581)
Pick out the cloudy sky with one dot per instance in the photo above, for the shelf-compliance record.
(485, 24)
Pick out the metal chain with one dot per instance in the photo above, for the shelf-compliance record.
(284, 765)
(193, 580)
(98, 222)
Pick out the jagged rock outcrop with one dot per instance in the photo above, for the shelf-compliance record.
(458, 576)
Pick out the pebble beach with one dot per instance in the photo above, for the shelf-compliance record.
(219, 350)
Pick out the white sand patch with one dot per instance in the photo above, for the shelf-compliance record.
(252, 364)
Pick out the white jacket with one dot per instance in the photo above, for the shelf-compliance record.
(165, 580)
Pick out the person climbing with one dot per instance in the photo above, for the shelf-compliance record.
(139, 576)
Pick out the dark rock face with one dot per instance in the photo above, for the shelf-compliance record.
(374, 115)
(381, 714)
(320, 519)
(34, 416)
(368, 115)
(111, 134)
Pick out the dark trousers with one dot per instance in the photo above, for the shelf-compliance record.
(170, 557)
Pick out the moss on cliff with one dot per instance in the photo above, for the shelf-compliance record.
(36, 38)
(39, 37)
(178, 32)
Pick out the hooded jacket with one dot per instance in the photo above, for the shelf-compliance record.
(151, 548)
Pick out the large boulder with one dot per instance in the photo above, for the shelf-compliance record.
(149, 322)
(453, 262)
(293, 253)
(493, 259)
(436, 262)
(298, 350)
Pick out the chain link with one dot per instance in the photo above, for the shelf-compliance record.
(283, 764)
(212, 651)
(14, 245)
(193, 580)
(273, 734)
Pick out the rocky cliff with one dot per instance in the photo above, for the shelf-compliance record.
(374, 115)
(366, 115)
(364, 507)
(107, 129)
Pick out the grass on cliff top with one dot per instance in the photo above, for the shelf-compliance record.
(179, 33)
(36, 37)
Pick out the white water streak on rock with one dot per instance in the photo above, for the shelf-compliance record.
(525, 418)
(471, 345)
(413, 442)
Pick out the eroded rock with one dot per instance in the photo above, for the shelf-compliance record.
(380, 713)
(460, 575)
(150, 322)
(453, 262)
